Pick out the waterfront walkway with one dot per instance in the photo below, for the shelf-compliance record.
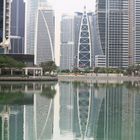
(72, 77)
(102, 78)
(30, 78)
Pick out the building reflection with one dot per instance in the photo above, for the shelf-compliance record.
(33, 118)
(39, 119)
(11, 122)
(66, 107)
(87, 111)
(100, 111)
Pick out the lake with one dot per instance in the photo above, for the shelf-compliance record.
(69, 111)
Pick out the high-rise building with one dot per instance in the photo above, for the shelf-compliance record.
(45, 34)
(134, 17)
(83, 40)
(30, 24)
(17, 26)
(113, 25)
(5, 26)
(1, 20)
(97, 47)
(67, 42)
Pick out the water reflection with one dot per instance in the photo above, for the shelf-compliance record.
(100, 111)
(69, 110)
(26, 110)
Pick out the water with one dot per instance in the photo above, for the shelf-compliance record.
(69, 111)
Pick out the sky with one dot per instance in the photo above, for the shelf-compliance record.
(71, 5)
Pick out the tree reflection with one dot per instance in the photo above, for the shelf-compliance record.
(8, 97)
(48, 91)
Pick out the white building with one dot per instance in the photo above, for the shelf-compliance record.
(45, 34)
(83, 39)
(5, 14)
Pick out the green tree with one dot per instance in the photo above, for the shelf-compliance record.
(8, 62)
(49, 66)
(65, 71)
(96, 69)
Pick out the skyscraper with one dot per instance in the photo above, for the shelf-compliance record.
(1, 20)
(30, 24)
(45, 34)
(5, 26)
(113, 25)
(83, 40)
(135, 30)
(67, 42)
(17, 26)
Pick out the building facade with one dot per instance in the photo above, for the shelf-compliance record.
(100, 61)
(83, 40)
(5, 26)
(30, 24)
(67, 42)
(1, 20)
(113, 31)
(17, 26)
(45, 34)
(135, 31)
(97, 47)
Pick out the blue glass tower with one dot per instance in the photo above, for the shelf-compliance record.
(17, 26)
(1, 20)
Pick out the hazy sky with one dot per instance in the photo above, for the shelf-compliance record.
(71, 5)
(67, 6)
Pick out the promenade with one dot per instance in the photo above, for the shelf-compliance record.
(30, 78)
(101, 78)
(72, 77)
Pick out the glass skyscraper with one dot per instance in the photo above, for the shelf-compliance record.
(135, 6)
(67, 42)
(113, 30)
(1, 20)
(5, 25)
(17, 26)
(45, 34)
(30, 24)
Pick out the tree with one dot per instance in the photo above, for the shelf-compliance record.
(65, 71)
(49, 66)
(8, 62)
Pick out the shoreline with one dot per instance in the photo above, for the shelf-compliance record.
(73, 78)
(94, 78)
(31, 78)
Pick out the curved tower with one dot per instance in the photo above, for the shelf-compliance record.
(84, 40)
(44, 46)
